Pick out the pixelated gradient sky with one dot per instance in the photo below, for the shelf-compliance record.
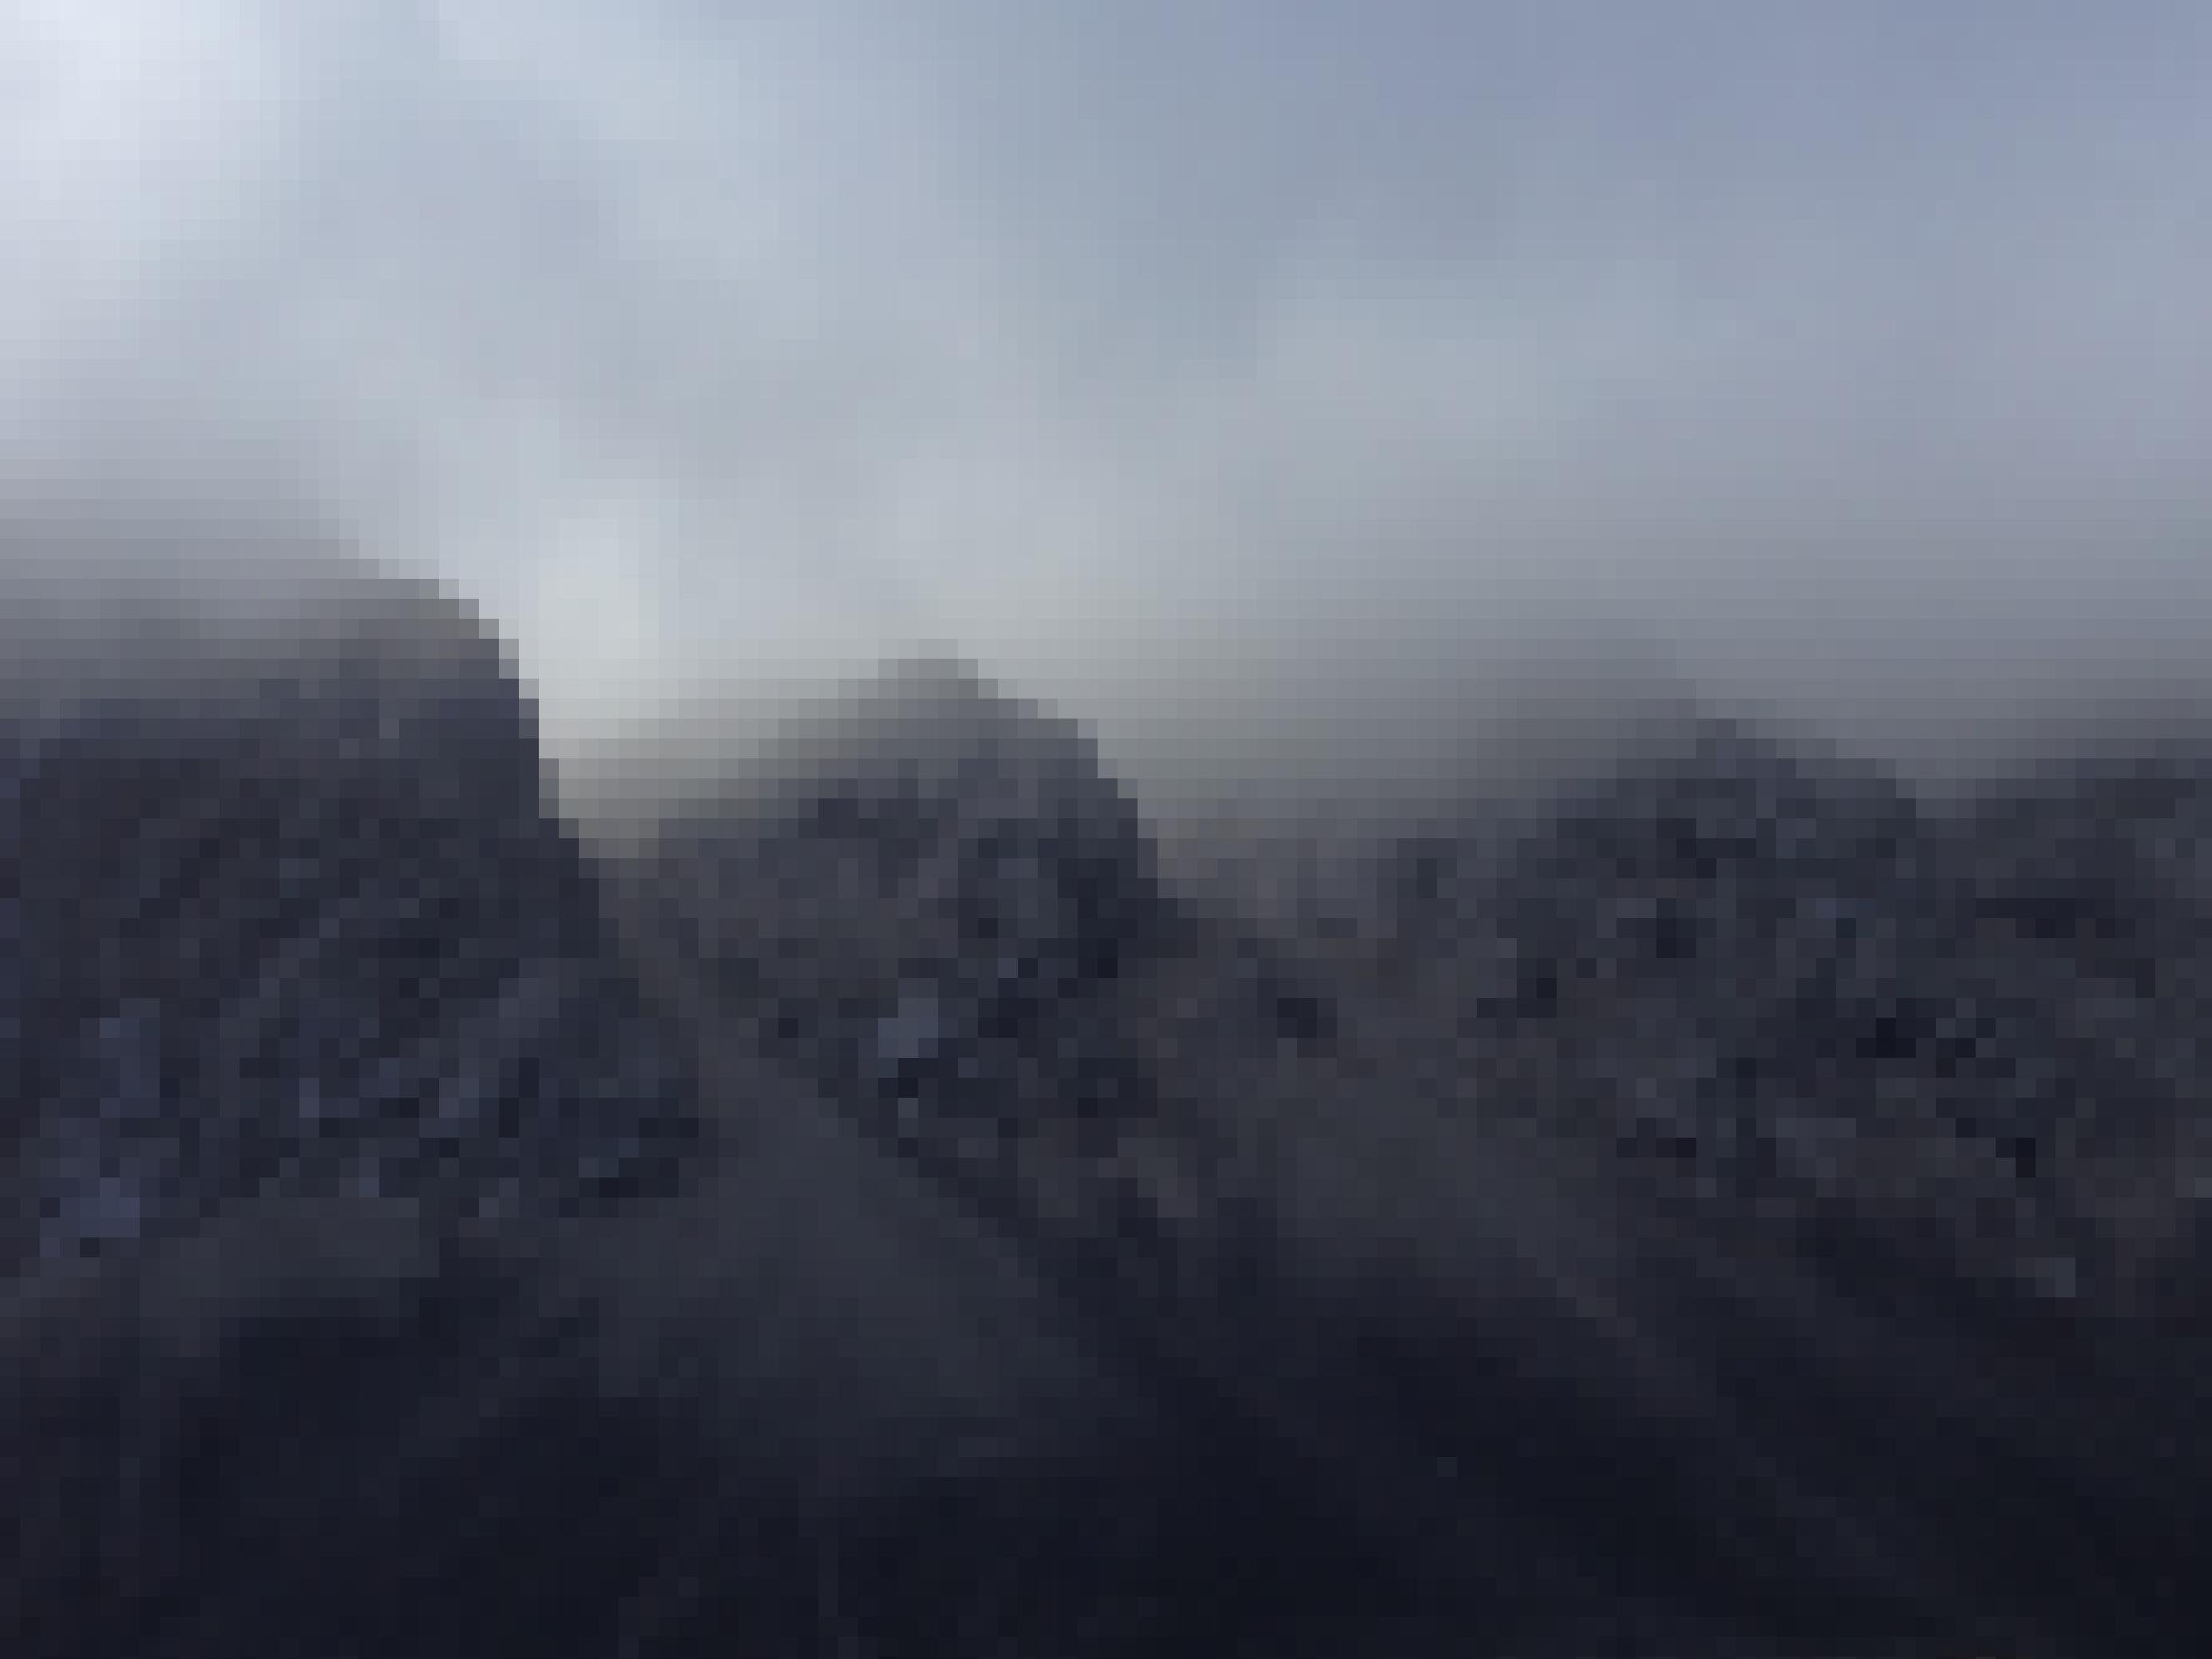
(1166, 356)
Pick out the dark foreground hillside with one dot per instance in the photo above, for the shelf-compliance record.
(1769, 1195)
(1741, 1212)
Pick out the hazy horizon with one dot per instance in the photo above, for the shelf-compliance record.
(1246, 382)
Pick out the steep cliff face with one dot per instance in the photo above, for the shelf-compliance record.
(281, 905)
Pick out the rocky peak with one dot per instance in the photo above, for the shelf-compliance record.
(282, 905)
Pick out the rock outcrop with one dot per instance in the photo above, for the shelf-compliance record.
(1782, 978)
(921, 900)
(282, 907)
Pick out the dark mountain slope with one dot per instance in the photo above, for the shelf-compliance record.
(934, 902)
(1801, 990)
(288, 909)
(403, 1270)
(1484, 1341)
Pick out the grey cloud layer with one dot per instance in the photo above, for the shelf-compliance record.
(1847, 355)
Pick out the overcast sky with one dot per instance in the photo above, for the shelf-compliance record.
(1844, 353)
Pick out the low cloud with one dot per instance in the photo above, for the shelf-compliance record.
(1172, 362)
